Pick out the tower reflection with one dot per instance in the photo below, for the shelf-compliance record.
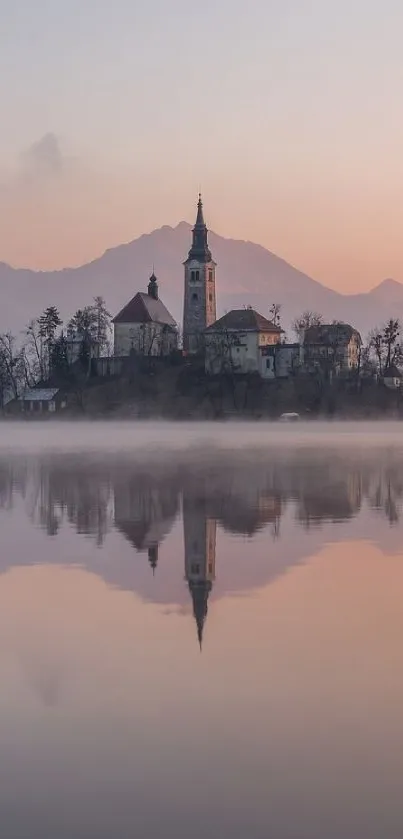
(200, 533)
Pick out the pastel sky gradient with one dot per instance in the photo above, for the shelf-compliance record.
(288, 113)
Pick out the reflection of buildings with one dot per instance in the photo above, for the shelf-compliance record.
(200, 552)
(329, 495)
(243, 495)
(145, 511)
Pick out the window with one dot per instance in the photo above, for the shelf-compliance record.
(197, 276)
(210, 276)
(210, 297)
(192, 276)
(195, 568)
(210, 568)
(195, 297)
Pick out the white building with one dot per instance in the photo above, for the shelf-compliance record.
(281, 360)
(145, 326)
(234, 343)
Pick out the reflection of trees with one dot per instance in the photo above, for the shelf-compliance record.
(243, 494)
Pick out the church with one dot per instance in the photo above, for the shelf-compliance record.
(145, 326)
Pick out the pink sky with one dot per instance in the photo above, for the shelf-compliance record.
(288, 118)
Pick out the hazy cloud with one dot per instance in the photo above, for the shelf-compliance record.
(44, 157)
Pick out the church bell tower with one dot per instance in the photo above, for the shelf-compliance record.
(200, 297)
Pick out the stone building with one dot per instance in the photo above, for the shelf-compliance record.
(234, 342)
(200, 294)
(145, 326)
(332, 347)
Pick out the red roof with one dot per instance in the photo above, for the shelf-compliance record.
(244, 320)
(143, 308)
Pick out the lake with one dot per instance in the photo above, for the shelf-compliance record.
(201, 631)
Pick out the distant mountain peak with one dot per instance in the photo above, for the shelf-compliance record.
(388, 290)
(388, 283)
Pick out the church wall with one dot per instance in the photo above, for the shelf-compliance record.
(235, 350)
(144, 339)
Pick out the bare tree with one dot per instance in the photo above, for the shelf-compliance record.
(12, 366)
(102, 324)
(34, 350)
(307, 319)
(275, 313)
(384, 345)
(220, 352)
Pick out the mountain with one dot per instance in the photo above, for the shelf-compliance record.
(247, 274)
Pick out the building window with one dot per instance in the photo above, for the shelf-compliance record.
(192, 276)
(210, 276)
(210, 297)
(210, 568)
(195, 297)
(195, 568)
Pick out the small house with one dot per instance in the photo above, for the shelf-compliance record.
(41, 400)
(392, 378)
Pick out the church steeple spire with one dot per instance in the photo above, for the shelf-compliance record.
(153, 557)
(200, 217)
(200, 249)
(200, 593)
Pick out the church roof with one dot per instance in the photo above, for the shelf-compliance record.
(143, 308)
(200, 250)
(244, 320)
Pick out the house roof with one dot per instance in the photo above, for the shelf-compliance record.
(143, 308)
(39, 394)
(244, 320)
(330, 333)
(392, 372)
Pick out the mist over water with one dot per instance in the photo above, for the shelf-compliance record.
(200, 630)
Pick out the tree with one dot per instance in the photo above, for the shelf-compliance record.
(48, 323)
(34, 351)
(83, 327)
(384, 345)
(275, 313)
(12, 367)
(307, 319)
(102, 324)
(59, 357)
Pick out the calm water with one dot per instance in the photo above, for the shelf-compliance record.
(201, 632)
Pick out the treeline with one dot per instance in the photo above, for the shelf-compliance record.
(48, 350)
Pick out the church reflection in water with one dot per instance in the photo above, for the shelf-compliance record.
(240, 496)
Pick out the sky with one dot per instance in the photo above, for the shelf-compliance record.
(286, 113)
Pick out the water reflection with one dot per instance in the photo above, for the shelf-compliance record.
(290, 720)
(210, 493)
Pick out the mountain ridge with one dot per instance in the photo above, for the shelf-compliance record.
(247, 274)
